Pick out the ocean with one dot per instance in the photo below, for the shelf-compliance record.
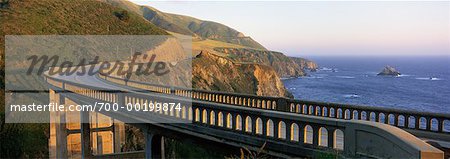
(423, 86)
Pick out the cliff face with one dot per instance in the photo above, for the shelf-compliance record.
(284, 66)
(213, 72)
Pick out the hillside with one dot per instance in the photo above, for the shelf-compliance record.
(84, 17)
(51, 17)
(188, 25)
(285, 66)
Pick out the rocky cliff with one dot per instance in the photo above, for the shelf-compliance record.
(284, 66)
(213, 72)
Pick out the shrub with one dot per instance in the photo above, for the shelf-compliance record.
(4, 4)
(122, 15)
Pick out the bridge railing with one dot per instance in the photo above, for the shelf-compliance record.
(407, 119)
(285, 132)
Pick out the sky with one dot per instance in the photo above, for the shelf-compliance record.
(305, 28)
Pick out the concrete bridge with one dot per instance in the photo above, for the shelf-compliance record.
(228, 121)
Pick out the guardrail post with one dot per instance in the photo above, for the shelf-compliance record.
(121, 99)
(282, 105)
(440, 124)
(406, 121)
(172, 90)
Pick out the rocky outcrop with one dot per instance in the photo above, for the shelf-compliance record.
(284, 66)
(218, 73)
(213, 72)
(389, 71)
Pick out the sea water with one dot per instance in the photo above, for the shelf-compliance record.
(423, 86)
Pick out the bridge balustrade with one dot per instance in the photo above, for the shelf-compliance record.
(414, 120)
(297, 130)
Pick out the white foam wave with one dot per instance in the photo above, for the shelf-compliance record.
(430, 78)
(352, 96)
(402, 75)
(347, 77)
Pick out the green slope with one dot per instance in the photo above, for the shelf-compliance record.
(189, 25)
(55, 17)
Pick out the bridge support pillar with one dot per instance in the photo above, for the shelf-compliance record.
(154, 146)
(118, 135)
(58, 130)
(60, 126)
(349, 141)
(85, 135)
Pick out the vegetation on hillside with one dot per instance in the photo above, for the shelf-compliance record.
(188, 25)
(47, 17)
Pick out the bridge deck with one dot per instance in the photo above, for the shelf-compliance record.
(285, 132)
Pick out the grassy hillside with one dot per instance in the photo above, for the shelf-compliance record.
(188, 25)
(54, 17)
(83, 17)
(72, 18)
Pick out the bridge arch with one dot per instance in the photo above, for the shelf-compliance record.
(433, 124)
(338, 137)
(355, 114)
(281, 130)
(308, 134)
(422, 123)
(444, 125)
(391, 119)
(339, 113)
(363, 115)
(238, 122)
(229, 121)
(294, 132)
(332, 113)
(204, 116)
(183, 112)
(347, 114)
(212, 118)
(269, 130)
(323, 137)
(411, 122)
(197, 115)
(298, 108)
(274, 105)
(304, 109)
(292, 107)
(381, 118)
(220, 119)
(317, 111)
(401, 121)
(248, 124)
(311, 110)
(259, 126)
(324, 111)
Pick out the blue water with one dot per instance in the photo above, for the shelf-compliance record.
(355, 81)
